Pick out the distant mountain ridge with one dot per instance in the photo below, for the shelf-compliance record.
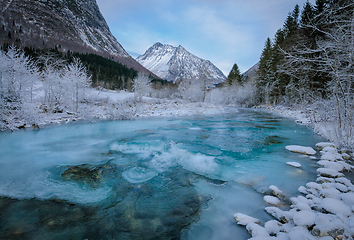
(176, 63)
(75, 25)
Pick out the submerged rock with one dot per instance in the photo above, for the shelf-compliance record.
(87, 173)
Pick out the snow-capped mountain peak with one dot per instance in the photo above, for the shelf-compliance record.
(176, 63)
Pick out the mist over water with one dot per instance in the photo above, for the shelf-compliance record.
(149, 178)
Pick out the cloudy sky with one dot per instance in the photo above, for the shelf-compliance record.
(222, 31)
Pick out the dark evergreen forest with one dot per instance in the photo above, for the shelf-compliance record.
(310, 57)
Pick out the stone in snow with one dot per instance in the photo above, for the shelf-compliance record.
(294, 164)
(301, 149)
(243, 219)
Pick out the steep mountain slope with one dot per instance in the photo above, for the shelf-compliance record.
(251, 73)
(75, 25)
(176, 63)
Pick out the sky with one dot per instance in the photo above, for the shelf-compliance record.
(222, 31)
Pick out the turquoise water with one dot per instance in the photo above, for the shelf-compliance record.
(164, 178)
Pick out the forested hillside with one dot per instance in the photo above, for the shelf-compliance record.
(310, 62)
(104, 72)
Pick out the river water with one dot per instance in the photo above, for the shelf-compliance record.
(154, 178)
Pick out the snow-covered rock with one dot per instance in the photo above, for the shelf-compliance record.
(271, 200)
(345, 156)
(256, 230)
(305, 218)
(322, 145)
(276, 191)
(243, 219)
(336, 206)
(273, 227)
(278, 214)
(301, 149)
(327, 172)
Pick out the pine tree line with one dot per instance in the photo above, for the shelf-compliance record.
(307, 53)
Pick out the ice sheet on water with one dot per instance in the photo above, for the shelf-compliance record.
(138, 175)
(42, 187)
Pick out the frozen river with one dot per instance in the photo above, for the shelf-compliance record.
(154, 178)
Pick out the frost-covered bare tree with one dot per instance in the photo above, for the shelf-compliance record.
(142, 86)
(75, 81)
(331, 56)
(191, 90)
(51, 74)
(17, 76)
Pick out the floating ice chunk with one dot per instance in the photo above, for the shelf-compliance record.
(138, 175)
(327, 172)
(301, 149)
(271, 200)
(243, 219)
(322, 145)
(256, 231)
(336, 206)
(305, 218)
(294, 164)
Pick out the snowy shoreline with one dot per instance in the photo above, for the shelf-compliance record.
(107, 105)
(325, 210)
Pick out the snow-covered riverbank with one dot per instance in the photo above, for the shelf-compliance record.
(323, 211)
(105, 105)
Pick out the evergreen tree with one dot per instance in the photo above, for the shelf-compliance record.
(235, 76)
(265, 73)
(307, 15)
